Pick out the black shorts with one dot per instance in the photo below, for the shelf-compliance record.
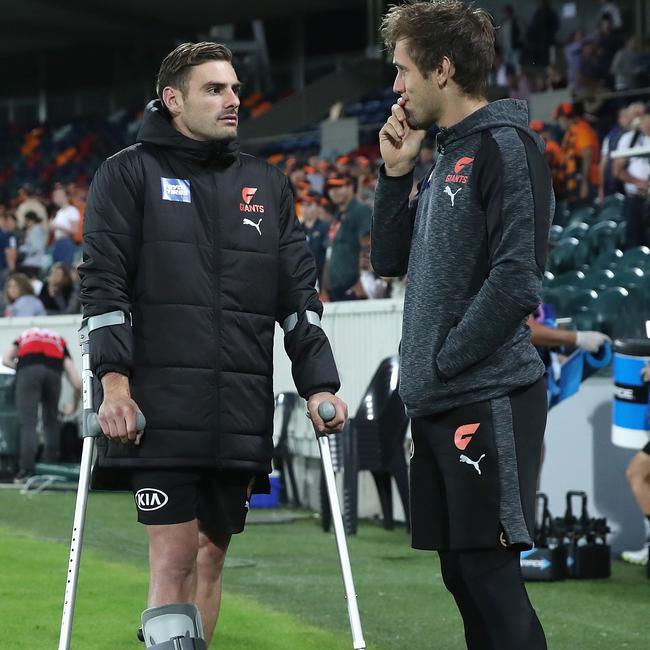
(474, 471)
(217, 499)
(646, 449)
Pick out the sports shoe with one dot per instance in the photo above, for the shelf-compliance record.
(22, 476)
(140, 635)
(639, 557)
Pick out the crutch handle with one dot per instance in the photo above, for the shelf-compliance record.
(327, 411)
(95, 428)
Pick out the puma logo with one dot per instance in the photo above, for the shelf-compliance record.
(248, 222)
(451, 194)
(469, 461)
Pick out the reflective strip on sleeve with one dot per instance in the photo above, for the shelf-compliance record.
(291, 321)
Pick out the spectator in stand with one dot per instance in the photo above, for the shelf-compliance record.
(31, 252)
(348, 233)
(510, 36)
(625, 66)
(64, 226)
(74, 305)
(552, 148)
(424, 160)
(541, 33)
(635, 174)
(573, 58)
(20, 299)
(608, 42)
(29, 203)
(517, 84)
(613, 11)
(591, 73)
(40, 358)
(57, 290)
(579, 175)
(374, 286)
(555, 79)
(316, 229)
(8, 246)
(608, 183)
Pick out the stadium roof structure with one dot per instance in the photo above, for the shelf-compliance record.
(38, 25)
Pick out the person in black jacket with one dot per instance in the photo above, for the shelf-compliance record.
(473, 245)
(199, 246)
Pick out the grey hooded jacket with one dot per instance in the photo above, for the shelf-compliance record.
(473, 245)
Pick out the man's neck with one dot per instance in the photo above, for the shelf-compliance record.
(343, 207)
(458, 108)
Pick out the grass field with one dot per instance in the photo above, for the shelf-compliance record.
(282, 587)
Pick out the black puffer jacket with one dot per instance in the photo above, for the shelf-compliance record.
(199, 243)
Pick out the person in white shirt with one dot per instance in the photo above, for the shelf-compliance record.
(635, 174)
(64, 226)
(613, 10)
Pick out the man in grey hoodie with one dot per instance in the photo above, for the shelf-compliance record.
(473, 245)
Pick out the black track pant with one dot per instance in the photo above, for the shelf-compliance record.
(492, 599)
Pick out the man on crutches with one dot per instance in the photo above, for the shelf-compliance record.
(197, 244)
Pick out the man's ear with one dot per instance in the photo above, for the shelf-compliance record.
(173, 100)
(444, 72)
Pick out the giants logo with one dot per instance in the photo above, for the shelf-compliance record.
(464, 435)
(457, 177)
(247, 195)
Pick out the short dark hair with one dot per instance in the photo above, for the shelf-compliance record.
(439, 28)
(175, 67)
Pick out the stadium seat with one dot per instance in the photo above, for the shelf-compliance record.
(602, 237)
(616, 313)
(629, 278)
(560, 297)
(613, 200)
(608, 260)
(549, 279)
(578, 230)
(567, 255)
(637, 257)
(621, 234)
(585, 214)
(612, 213)
(600, 279)
(556, 233)
(581, 301)
(574, 278)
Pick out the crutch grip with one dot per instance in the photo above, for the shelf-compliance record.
(327, 411)
(95, 428)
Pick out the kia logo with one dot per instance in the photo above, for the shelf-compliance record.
(150, 499)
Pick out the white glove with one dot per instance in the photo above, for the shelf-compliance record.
(591, 341)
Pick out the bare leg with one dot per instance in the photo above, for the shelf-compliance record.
(209, 568)
(638, 475)
(173, 551)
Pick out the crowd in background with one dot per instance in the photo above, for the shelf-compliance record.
(41, 226)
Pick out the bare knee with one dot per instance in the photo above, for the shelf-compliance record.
(638, 471)
(212, 553)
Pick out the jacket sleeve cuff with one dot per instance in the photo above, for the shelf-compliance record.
(321, 389)
(105, 368)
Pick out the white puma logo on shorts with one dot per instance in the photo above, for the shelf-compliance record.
(469, 461)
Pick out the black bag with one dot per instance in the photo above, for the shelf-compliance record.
(588, 554)
(547, 561)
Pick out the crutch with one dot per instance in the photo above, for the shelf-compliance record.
(91, 429)
(327, 411)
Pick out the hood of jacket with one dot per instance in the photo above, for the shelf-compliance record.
(503, 112)
(157, 129)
